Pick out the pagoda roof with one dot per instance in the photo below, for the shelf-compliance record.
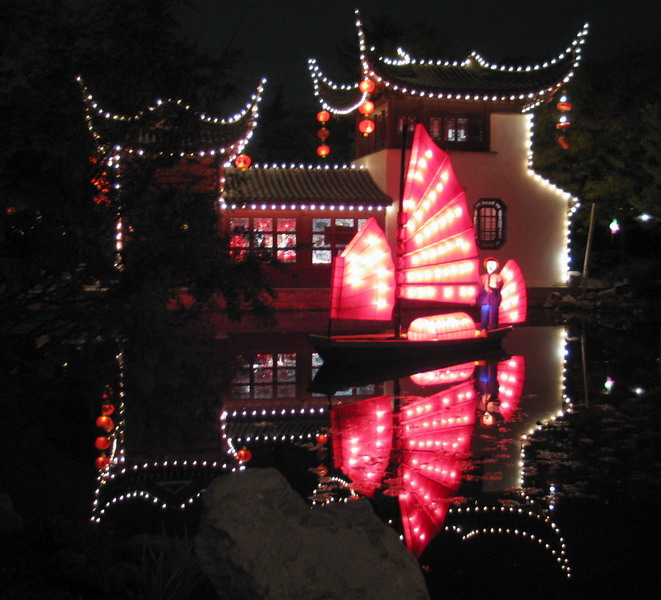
(299, 185)
(472, 79)
(171, 127)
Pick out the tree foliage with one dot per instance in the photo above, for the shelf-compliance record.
(614, 153)
(61, 298)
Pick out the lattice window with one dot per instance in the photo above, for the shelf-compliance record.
(264, 236)
(330, 236)
(490, 222)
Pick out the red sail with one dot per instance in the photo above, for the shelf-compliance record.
(363, 283)
(514, 304)
(439, 259)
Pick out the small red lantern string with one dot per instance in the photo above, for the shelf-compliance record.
(564, 121)
(103, 421)
(323, 116)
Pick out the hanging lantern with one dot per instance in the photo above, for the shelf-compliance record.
(564, 104)
(366, 126)
(102, 462)
(323, 150)
(322, 438)
(323, 134)
(366, 108)
(102, 443)
(563, 122)
(107, 409)
(367, 86)
(244, 455)
(105, 422)
(563, 142)
(322, 470)
(243, 161)
(323, 116)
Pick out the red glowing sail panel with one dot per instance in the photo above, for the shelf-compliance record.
(436, 434)
(362, 440)
(363, 283)
(439, 257)
(514, 304)
(511, 377)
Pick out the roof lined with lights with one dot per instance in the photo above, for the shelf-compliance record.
(171, 126)
(473, 79)
(303, 185)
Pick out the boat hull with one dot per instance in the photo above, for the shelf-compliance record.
(352, 349)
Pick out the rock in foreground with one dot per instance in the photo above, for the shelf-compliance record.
(259, 540)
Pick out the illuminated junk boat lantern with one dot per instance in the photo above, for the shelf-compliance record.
(418, 454)
(439, 263)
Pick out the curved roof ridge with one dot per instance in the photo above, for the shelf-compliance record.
(200, 133)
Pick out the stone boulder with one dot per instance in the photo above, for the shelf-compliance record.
(259, 540)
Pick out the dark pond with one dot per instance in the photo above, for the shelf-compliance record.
(532, 471)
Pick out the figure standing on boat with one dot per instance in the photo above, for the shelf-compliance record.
(490, 295)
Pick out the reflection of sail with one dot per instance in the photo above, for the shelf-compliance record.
(514, 304)
(433, 436)
(362, 441)
(430, 444)
(436, 434)
(445, 376)
(439, 258)
(363, 285)
(511, 376)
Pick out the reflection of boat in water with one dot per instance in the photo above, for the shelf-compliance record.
(335, 375)
(436, 261)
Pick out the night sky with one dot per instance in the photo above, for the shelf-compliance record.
(278, 37)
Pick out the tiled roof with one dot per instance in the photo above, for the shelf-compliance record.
(474, 77)
(303, 185)
(471, 79)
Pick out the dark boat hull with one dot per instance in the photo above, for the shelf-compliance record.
(352, 349)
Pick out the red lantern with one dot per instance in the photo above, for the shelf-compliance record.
(102, 462)
(322, 471)
(323, 151)
(366, 108)
(323, 116)
(563, 124)
(104, 422)
(243, 161)
(107, 409)
(102, 443)
(367, 86)
(244, 455)
(323, 134)
(322, 438)
(564, 106)
(366, 126)
(563, 142)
